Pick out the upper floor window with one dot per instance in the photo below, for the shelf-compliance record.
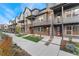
(67, 14)
(71, 13)
(76, 12)
(41, 18)
(58, 19)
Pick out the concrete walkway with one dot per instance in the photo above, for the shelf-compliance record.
(39, 49)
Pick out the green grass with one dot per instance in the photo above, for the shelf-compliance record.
(77, 45)
(33, 38)
(19, 35)
(0, 33)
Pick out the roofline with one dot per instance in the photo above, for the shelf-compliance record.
(35, 9)
(25, 9)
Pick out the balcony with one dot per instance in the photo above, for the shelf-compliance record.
(40, 23)
(74, 19)
(22, 24)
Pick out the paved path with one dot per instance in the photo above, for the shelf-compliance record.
(39, 49)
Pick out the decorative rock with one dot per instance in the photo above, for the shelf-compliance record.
(70, 47)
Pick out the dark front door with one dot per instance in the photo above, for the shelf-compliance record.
(58, 31)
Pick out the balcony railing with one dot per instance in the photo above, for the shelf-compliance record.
(39, 23)
(74, 19)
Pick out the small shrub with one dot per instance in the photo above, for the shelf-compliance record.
(70, 39)
(19, 35)
(33, 38)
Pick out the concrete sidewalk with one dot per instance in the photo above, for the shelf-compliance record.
(38, 49)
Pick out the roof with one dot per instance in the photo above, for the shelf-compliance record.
(66, 6)
(35, 9)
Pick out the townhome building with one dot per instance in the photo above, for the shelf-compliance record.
(66, 14)
(41, 23)
(5, 28)
(12, 26)
(27, 21)
(21, 23)
(1, 27)
(50, 20)
(30, 20)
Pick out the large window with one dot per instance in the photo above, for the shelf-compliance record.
(69, 30)
(68, 13)
(39, 29)
(75, 30)
(58, 19)
(41, 18)
(71, 13)
(76, 12)
(42, 29)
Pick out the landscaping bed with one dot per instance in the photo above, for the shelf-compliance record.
(71, 47)
(33, 38)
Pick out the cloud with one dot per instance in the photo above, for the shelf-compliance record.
(29, 5)
(33, 5)
(7, 15)
(7, 10)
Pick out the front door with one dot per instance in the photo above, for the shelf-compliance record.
(58, 30)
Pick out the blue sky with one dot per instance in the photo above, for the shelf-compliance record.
(8, 11)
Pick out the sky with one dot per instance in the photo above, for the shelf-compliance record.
(8, 11)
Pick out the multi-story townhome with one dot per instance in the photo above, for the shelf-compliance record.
(32, 18)
(40, 21)
(9, 26)
(21, 23)
(5, 28)
(27, 19)
(1, 26)
(66, 13)
(24, 22)
(18, 24)
(12, 26)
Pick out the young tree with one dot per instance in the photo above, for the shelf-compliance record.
(18, 29)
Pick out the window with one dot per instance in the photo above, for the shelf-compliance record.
(76, 12)
(39, 29)
(75, 30)
(68, 29)
(58, 19)
(42, 29)
(41, 18)
(67, 14)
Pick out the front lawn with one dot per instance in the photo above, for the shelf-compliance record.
(33, 38)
